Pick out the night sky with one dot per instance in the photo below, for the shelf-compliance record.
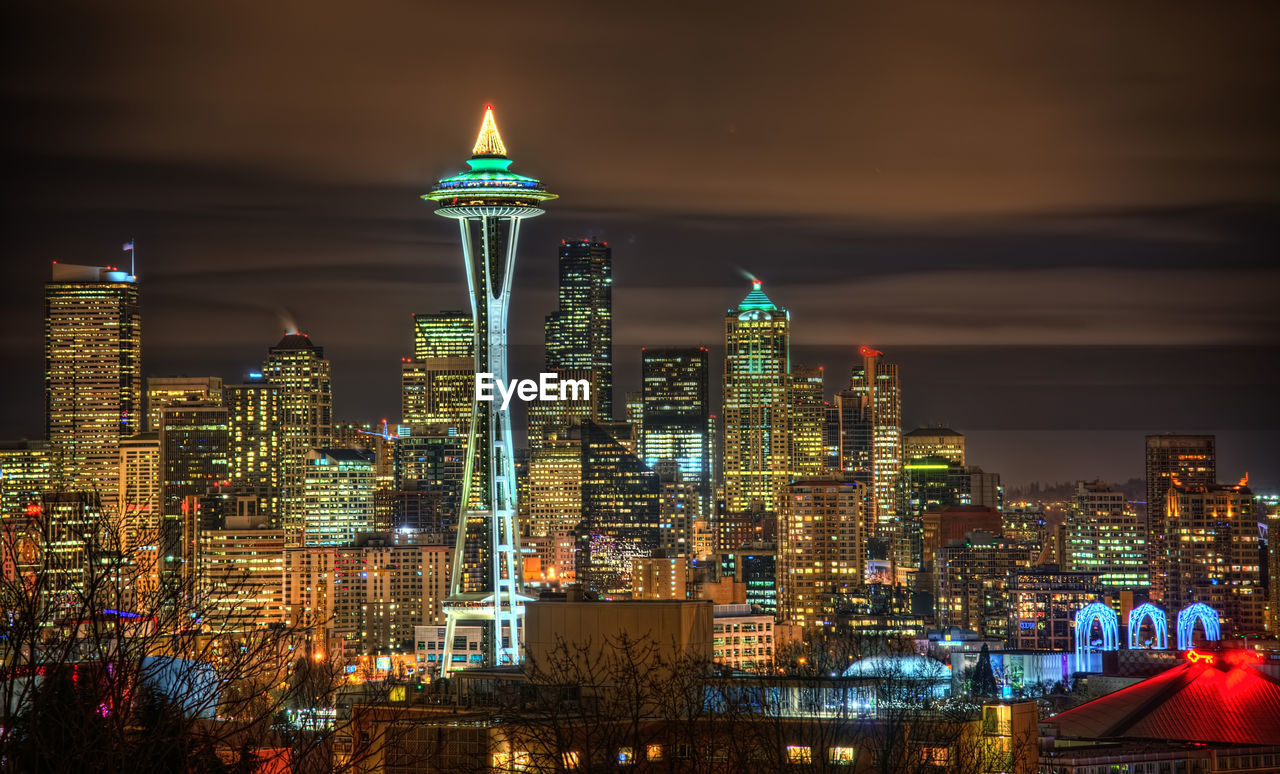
(1059, 218)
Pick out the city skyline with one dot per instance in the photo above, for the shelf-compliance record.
(1105, 182)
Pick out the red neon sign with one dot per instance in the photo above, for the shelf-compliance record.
(1204, 658)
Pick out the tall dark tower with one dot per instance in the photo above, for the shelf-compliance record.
(489, 202)
(580, 332)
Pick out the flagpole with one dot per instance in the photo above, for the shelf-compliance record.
(133, 255)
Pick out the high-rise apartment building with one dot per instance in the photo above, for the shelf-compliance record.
(1213, 555)
(338, 491)
(1104, 535)
(255, 427)
(821, 549)
(579, 334)
(166, 390)
(675, 416)
(438, 382)
(92, 374)
(1184, 459)
(299, 369)
(757, 369)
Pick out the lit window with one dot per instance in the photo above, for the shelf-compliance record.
(625, 756)
(799, 754)
(842, 756)
(570, 760)
(653, 752)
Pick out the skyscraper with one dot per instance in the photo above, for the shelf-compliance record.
(489, 202)
(580, 333)
(1185, 459)
(438, 383)
(875, 382)
(92, 374)
(757, 367)
(26, 473)
(675, 415)
(621, 514)
(299, 369)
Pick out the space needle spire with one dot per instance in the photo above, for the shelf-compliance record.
(489, 202)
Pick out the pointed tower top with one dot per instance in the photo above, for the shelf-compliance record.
(756, 299)
(489, 143)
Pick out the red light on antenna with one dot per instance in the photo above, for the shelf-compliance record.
(866, 351)
(488, 107)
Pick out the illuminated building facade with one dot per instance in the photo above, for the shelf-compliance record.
(805, 422)
(742, 638)
(443, 334)
(874, 385)
(337, 498)
(92, 374)
(579, 334)
(242, 573)
(675, 415)
(69, 539)
(932, 482)
(166, 390)
(194, 484)
(298, 367)
(1042, 605)
(26, 473)
(665, 576)
(438, 390)
(621, 514)
(757, 368)
(972, 578)
(934, 442)
(821, 548)
(1104, 535)
(489, 202)
(1213, 554)
(138, 502)
(1186, 459)
(555, 486)
(428, 462)
(256, 438)
(367, 598)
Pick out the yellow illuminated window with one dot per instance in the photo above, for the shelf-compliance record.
(843, 756)
(799, 754)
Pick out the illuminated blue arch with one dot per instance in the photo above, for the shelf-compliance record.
(1159, 622)
(1110, 622)
(1187, 617)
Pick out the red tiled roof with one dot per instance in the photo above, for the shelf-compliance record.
(1194, 702)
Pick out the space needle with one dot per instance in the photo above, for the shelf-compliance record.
(489, 201)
